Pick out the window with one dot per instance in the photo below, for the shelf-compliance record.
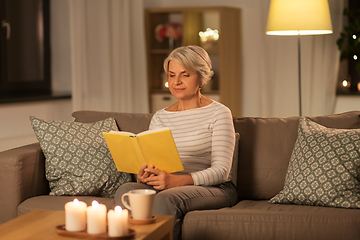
(24, 48)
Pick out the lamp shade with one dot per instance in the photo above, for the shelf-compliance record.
(299, 17)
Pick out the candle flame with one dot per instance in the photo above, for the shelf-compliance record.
(118, 209)
(95, 203)
(76, 201)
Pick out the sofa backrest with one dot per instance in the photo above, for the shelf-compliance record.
(265, 148)
(265, 145)
(130, 122)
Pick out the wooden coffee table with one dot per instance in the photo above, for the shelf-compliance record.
(41, 224)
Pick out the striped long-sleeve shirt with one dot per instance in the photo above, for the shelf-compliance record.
(205, 140)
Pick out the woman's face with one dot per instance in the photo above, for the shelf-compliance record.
(183, 85)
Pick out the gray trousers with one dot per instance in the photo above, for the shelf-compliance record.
(178, 201)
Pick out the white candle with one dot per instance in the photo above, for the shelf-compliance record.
(96, 218)
(117, 222)
(125, 219)
(75, 216)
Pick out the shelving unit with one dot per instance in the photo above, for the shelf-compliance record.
(225, 86)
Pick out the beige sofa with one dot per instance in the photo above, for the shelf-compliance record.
(265, 147)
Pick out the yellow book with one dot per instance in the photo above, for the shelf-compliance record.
(153, 147)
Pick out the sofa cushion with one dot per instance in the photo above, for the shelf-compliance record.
(250, 220)
(266, 146)
(78, 161)
(57, 203)
(324, 168)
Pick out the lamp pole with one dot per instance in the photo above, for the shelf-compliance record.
(299, 62)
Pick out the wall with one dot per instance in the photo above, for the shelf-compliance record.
(347, 103)
(15, 126)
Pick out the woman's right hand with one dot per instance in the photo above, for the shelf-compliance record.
(142, 175)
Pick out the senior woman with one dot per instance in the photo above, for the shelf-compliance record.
(204, 136)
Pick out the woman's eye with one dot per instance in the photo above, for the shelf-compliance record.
(186, 75)
(171, 75)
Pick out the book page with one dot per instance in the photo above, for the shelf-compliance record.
(153, 131)
(123, 133)
(139, 134)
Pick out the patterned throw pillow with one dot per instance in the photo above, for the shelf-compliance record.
(324, 168)
(78, 161)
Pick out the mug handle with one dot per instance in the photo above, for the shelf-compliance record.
(124, 201)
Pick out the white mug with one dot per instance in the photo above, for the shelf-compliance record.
(141, 202)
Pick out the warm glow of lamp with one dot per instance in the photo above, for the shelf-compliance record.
(299, 17)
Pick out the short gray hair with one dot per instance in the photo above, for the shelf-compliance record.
(194, 59)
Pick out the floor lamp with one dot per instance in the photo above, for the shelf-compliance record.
(296, 18)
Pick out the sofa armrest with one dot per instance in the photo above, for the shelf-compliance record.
(22, 175)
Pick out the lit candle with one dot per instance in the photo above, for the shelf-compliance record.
(75, 216)
(118, 222)
(96, 218)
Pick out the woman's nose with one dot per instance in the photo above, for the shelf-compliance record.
(178, 80)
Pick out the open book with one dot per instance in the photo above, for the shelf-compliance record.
(153, 147)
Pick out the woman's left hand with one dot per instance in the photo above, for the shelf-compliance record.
(161, 180)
